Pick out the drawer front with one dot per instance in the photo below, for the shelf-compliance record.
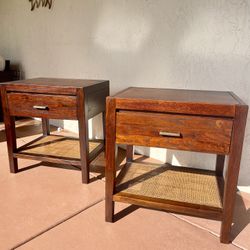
(38, 105)
(184, 132)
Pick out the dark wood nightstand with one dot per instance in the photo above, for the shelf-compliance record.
(200, 121)
(54, 99)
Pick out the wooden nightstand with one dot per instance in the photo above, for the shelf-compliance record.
(54, 99)
(200, 121)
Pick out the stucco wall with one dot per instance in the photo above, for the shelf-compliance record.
(157, 43)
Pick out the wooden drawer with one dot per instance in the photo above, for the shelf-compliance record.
(39, 105)
(184, 132)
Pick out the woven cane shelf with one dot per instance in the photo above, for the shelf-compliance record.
(53, 146)
(171, 185)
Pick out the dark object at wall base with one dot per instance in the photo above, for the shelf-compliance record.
(7, 76)
(7, 65)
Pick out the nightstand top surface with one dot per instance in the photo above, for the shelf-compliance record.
(52, 85)
(179, 95)
(179, 101)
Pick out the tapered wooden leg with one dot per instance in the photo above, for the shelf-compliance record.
(110, 160)
(220, 160)
(129, 153)
(83, 136)
(232, 173)
(104, 125)
(45, 126)
(104, 130)
(10, 130)
(11, 143)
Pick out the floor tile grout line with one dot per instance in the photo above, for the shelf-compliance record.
(240, 247)
(56, 224)
(204, 229)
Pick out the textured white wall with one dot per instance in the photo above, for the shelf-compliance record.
(157, 43)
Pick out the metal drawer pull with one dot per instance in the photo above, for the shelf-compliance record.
(40, 107)
(170, 134)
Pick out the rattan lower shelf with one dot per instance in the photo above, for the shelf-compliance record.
(186, 187)
(60, 149)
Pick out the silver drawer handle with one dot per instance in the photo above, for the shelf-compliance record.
(170, 134)
(40, 107)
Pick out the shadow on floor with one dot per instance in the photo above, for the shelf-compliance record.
(125, 212)
(56, 165)
(48, 164)
(97, 166)
(25, 128)
(240, 221)
(241, 217)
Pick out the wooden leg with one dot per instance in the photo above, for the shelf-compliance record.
(11, 143)
(83, 136)
(129, 153)
(45, 126)
(232, 173)
(104, 125)
(220, 160)
(10, 130)
(228, 202)
(110, 170)
(104, 130)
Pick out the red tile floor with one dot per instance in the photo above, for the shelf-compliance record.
(46, 207)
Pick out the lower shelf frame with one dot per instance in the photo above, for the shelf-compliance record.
(23, 151)
(168, 206)
(199, 210)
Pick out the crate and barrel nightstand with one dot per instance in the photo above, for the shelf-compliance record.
(199, 121)
(50, 98)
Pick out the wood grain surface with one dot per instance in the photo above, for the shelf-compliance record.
(216, 103)
(202, 134)
(53, 85)
(58, 106)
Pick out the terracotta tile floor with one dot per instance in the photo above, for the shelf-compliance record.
(45, 206)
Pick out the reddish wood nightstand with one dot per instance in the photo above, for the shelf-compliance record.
(50, 98)
(200, 121)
